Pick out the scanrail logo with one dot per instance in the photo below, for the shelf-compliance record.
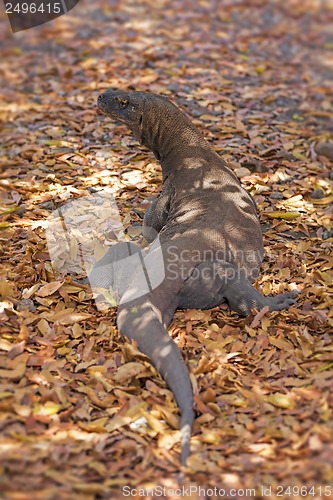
(87, 237)
(25, 14)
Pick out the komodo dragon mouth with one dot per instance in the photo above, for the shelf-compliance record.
(111, 105)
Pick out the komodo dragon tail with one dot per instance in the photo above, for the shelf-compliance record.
(143, 317)
(141, 323)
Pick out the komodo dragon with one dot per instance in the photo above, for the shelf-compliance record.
(209, 233)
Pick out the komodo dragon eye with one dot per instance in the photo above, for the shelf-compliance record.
(123, 102)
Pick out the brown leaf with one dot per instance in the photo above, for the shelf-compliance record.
(15, 374)
(257, 319)
(49, 289)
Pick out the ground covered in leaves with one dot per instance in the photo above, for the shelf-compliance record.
(83, 414)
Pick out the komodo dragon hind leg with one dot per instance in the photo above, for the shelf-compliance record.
(212, 283)
(242, 297)
(114, 269)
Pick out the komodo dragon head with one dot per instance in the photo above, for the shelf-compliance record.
(154, 120)
(129, 107)
(126, 107)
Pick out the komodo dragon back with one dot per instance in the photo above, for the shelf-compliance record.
(209, 233)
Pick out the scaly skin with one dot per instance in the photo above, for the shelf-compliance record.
(209, 233)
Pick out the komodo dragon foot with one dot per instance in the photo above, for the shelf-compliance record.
(213, 283)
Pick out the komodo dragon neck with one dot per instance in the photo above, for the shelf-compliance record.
(170, 134)
(183, 152)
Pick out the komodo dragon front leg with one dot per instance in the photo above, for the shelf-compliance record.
(214, 282)
(157, 214)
